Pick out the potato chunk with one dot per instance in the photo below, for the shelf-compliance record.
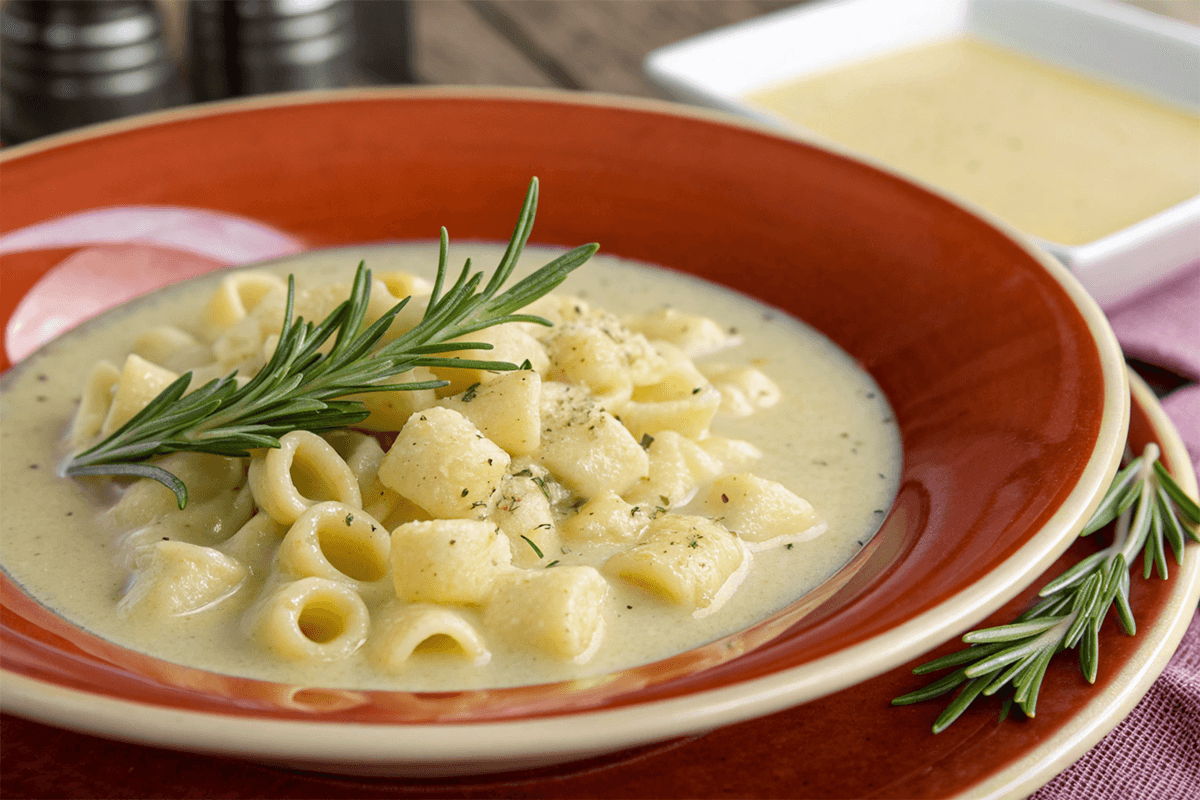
(444, 464)
(691, 561)
(585, 446)
(506, 410)
(559, 611)
(448, 560)
(759, 510)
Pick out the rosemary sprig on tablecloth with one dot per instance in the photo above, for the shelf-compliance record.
(301, 388)
(1152, 512)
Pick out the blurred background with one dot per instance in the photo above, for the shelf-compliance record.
(67, 63)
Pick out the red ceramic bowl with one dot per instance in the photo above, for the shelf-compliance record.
(1008, 386)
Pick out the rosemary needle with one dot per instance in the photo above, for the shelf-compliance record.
(301, 388)
(1151, 512)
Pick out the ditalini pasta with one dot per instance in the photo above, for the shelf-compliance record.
(609, 503)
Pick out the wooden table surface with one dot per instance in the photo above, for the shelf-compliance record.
(572, 44)
(595, 45)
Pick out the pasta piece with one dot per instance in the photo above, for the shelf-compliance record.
(405, 511)
(403, 631)
(559, 611)
(641, 360)
(312, 619)
(338, 542)
(171, 348)
(691, 561)
(441, 462)
(681, 400)
(734, 455)
(237, 294)
(506, 410)
(524, 515)
(172, 579)
(690, 416)
(585, 446)
(363, 455)
(509, 343)
(678, 380)
(302, 471)
(388, 289)
(94, 403)
(255, 543)
(761, 511)
(218, 503)
(391, 409)
(678, 467)
(448, 560)
(743, 389)
(606, 519)
(140, 383)
(586, 356)
(695, 335)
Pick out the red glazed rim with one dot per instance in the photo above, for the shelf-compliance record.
(1005, 378)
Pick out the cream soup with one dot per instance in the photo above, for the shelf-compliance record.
(830, 438)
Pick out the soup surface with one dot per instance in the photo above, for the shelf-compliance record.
(1054, 153)
(831, 439)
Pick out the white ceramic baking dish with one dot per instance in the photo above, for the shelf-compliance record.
(1122, 44)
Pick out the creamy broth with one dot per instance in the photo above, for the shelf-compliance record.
(1054, 153)
(831, 439)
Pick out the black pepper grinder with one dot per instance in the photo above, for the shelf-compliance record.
(65, 63)
(245, 47)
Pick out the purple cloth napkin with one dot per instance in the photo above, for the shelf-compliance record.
(1155, 751)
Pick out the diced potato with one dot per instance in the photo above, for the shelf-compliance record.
(585, 446)
(606, 519)
(586, 356)
(523, 513)
(509, 343)
(678, 467)
(172, 579)
(559, 610)
(442, 462)
(448, 560)
(140, 383)
(391, 409)
(506, 410)
(691, 561)
(759, 510)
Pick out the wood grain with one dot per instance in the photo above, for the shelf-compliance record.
(572, 44)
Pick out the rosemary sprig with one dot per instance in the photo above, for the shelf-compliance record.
(301, 388)
(1151, 512)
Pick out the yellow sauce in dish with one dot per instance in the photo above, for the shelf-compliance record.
(1055, 154)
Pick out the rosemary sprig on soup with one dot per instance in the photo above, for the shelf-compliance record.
(441, 487)
(303, 388)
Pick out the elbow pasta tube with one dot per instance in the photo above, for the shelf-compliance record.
(302, 471)
(335, 541)
(402, 629)
(312, 619)
(94, 403)
(236, 296)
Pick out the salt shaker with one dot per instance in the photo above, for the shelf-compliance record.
(65, 63)
(244, 47)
